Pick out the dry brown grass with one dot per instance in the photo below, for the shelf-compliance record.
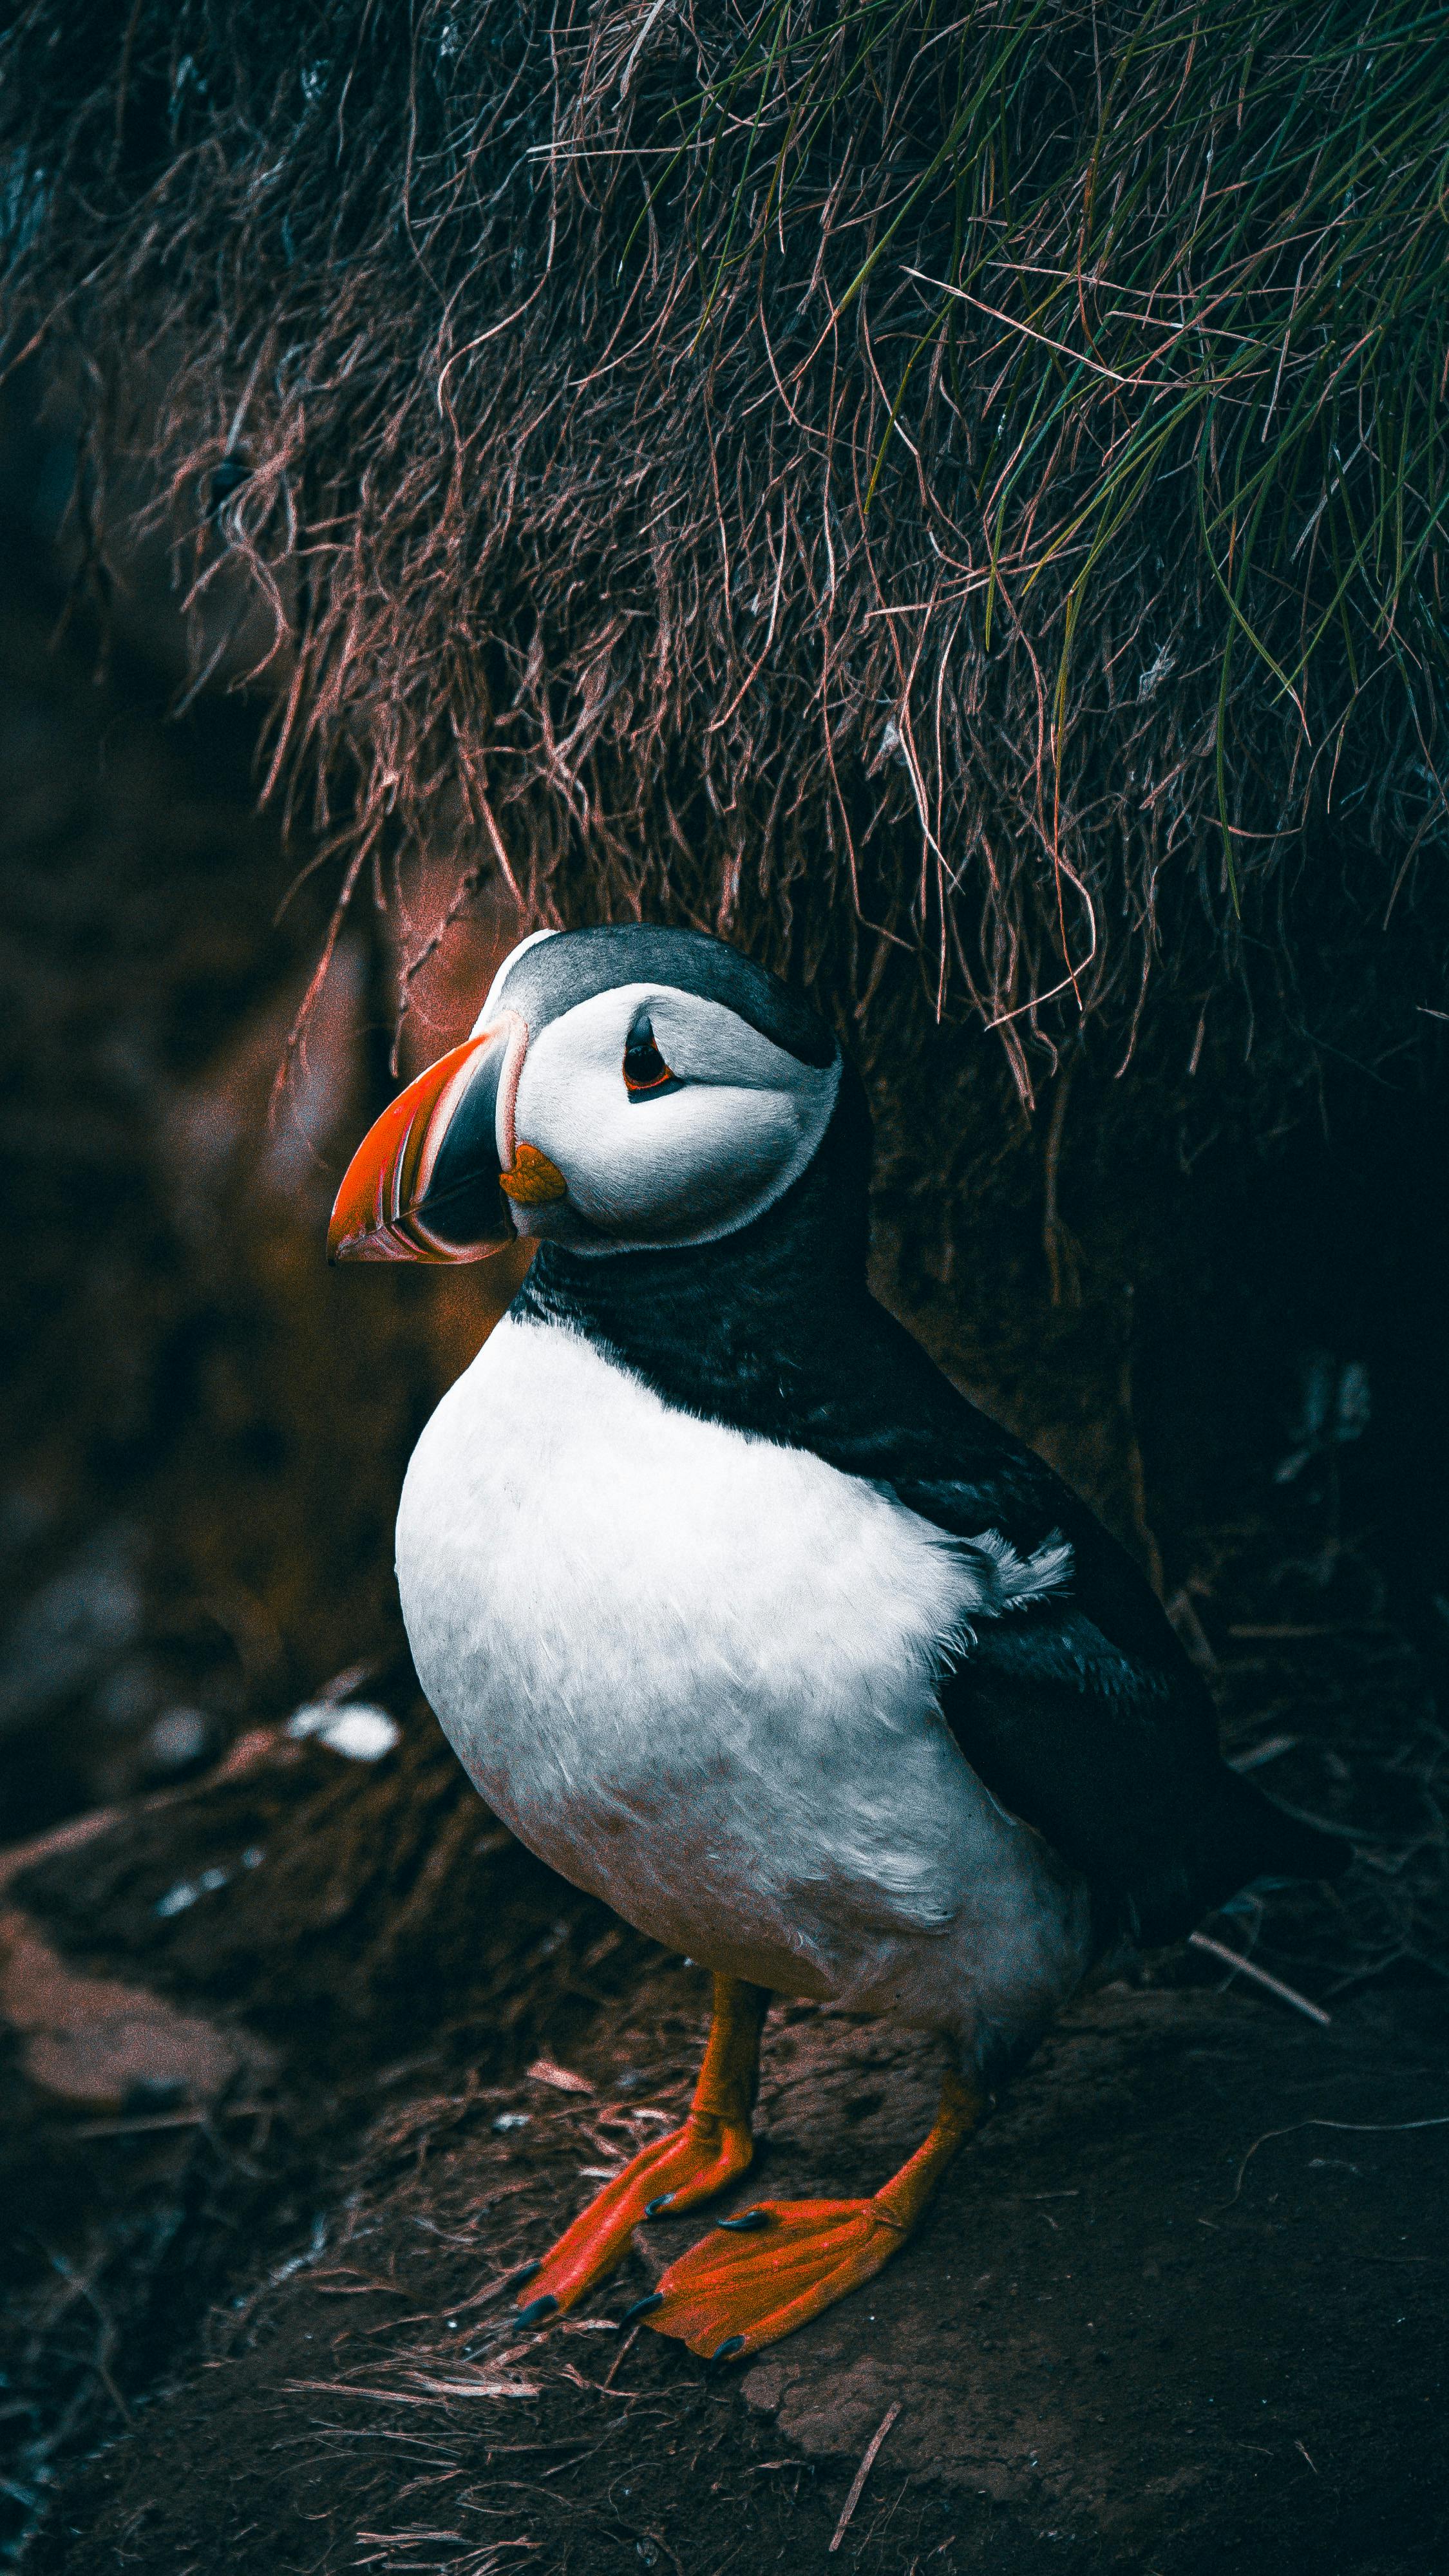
(635, 518)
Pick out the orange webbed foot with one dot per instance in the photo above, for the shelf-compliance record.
(686, 2167)
(759, 2276)
(713, 2146)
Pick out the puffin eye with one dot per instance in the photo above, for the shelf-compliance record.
(644, 1067)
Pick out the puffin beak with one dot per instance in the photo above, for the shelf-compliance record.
(424, 1184)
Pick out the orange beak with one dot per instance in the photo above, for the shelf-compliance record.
(424, 1183)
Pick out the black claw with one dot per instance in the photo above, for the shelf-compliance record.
(726, 2351)
(537, 2310)
(641, 2307)
(525, 2272)
(652, 2208)
(746, 2218)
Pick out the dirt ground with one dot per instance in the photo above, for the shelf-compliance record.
(1179, 2309)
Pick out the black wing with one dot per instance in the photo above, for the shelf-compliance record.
(1078, 1709)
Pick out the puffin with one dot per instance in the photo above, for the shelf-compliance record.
(742, 1617)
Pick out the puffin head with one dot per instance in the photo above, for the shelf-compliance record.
(624, 1090)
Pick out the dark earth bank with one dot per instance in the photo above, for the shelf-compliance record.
(273, 2151)
(1179, 2309)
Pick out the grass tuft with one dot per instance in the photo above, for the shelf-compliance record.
(956, 497)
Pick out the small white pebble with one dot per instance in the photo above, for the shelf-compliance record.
(360, 1733)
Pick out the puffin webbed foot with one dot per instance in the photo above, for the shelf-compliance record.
(685, 2167)
(725, 2299)
(774, 2267)
(712, 2148)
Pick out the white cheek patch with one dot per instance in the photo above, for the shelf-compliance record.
(682, 1166)
(700, 1156)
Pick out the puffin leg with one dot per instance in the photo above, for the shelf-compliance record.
(713, 2146)
(791, 2258)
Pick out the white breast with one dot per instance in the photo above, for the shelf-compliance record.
(695, 1672)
